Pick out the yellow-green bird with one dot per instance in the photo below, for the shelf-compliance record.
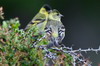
(40, 19)
(49, 21)
(55, 30)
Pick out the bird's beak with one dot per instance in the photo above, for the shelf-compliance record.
(61, 15)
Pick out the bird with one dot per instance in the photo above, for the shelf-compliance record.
(55, 30)
(40, 19)
(48, 20)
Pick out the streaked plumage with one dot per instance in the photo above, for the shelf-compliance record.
(40, 19)
(55, 29)
(49, 22)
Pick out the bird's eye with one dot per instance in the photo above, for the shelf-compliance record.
(57, 14)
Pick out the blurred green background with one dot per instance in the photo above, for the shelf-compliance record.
(81, 19)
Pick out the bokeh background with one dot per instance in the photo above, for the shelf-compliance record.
(81, 19)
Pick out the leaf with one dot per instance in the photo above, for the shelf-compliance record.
(4, 24)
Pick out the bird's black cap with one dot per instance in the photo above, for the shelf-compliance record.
(47, 7)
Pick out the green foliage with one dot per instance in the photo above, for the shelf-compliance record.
(16, 47)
